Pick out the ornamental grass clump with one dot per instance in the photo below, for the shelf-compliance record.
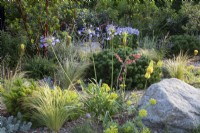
(177, 66)
(52, 108)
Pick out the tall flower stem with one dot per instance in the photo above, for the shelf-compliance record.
(112, 65)
(71, 83)
(95, 72)
(145, 86)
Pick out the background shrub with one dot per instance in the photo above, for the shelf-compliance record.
(9, 47)
(184, 43)
(135, 71)
(38, 67)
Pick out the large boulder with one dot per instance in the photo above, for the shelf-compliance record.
(177, 109)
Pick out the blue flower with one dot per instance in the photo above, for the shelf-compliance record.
(111, 29)
(128, 30)
(45, 41)
(88, 115)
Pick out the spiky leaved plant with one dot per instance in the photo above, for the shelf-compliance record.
(50, 106)
(74, 69)
(177, 66)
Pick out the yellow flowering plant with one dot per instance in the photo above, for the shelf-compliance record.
(22, 49)
(143, 113)
(196, 52)
(111, 127)
(153, 72)
(129, 102)
(153, 101)
(128, 127)
(100, 100)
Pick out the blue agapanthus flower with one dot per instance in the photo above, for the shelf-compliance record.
(110, 29)
(91, 31)
(128, 30)
(45, 41)
(114, 30)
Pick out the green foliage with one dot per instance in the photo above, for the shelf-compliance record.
(192, 76)
(135, 71)
(197, 130)
(39, 67)
(73, 65)
(14, 92)
(9, 47)
(184, 43)
(52, 108)
(177, 67)
(100, 101)
(75, 70)
(129, 127)
(152, 54)
(43, 12)
(111, 127)
(190, 12)
(141, 14)
(83, 128)
(13, 124)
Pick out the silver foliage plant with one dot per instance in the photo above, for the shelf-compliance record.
(13, 124)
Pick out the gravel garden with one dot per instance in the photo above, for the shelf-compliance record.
(99, 66)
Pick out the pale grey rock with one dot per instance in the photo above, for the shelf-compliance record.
(177, 108)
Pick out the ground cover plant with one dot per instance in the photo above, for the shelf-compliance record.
(82, 66)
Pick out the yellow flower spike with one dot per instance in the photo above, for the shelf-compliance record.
(129, 102)
(147, 75)
(153, 101)
(196, 52)
(122, 86)
(150, 69)
(105, 87)
(124, 39)
(113, 96)
(22, 49)
(143, 113)
(68, 40)
(159, 63)
(151, 63)
(134, 95)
